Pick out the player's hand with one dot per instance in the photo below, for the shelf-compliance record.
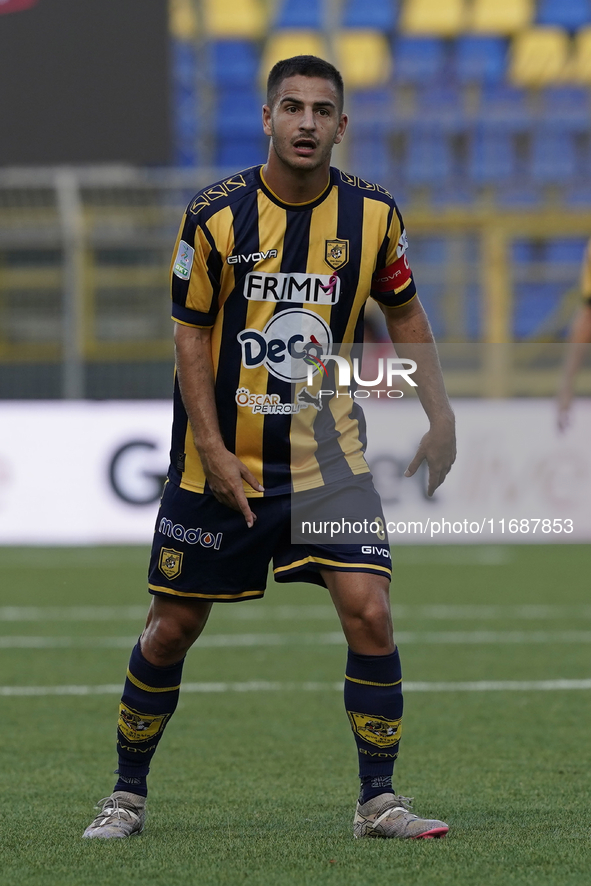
(438, 449)
(225, 473)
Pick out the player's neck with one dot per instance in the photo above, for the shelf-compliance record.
(292, 185)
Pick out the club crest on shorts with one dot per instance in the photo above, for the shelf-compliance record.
(170, 562)
(140, 727)
(376, 730)
(336, 253)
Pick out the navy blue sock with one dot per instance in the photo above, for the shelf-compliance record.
(373, 701)
(150, 697)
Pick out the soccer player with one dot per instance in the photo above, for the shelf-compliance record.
(580, 337)
(271, 265)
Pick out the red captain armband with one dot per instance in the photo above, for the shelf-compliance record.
(393, 278)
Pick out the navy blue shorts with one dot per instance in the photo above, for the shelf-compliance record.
(204, 549)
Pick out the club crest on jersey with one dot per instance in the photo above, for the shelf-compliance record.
(290, 342)
(336, 253)
(140, 727)
(376, 730)
(170, 562)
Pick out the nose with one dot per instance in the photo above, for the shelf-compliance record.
(308, 121)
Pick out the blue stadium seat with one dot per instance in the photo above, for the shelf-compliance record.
(419, 59)
(493, 157)
(441, 104)
(533, 303)
(505, 107)
(567, 107)
(569, 14)
(429, 159)
(234, 62)
(480, 59)
(570, 249)
(373, 108)
(369, 158)
(379, 14)
(238, 112)
(240, 153)
(553, 158)
(300, 14)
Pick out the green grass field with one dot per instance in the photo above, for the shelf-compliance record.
(255, 779)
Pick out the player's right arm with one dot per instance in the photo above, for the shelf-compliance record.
(224, 471)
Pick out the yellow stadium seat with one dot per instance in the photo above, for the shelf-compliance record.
(439, 18)
(363, 57)
(500, 16)
(182, 19)
(234, 18)
(539, 56)
(285, 44)
(580, 69)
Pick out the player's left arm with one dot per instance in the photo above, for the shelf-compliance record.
(410, 331)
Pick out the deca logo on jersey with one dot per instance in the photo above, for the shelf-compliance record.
(287, 344)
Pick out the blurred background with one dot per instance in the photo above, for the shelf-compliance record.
(474, 113)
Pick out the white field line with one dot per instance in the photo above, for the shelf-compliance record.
(265, 686)
(335, 638)
(318, 612)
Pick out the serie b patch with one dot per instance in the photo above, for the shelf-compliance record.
(376, 730)
(336, 253)
(183, 262)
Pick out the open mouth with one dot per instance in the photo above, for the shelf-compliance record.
(304, 146)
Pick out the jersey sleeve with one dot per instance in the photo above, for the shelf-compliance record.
(392, 283)
(195, 275)
(586, 274)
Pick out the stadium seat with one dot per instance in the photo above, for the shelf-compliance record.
(240, 153)
(504, 107)
(238, 112)
(580, 68)
(379, 14)
(569, 14)
(299, 14)
(567, 107)
(233, 62)
(285, 44)
(553, 159)
(432, 17)
(370, 158)
(441, 104)
(566, 250)
(533, 303)
(419, 59)
(363, 57)
(480, 59)
(182, 19)
(372, 109)
(504, 17)
(539, 56)
(493, 157)
(429, 159)
(226, 18)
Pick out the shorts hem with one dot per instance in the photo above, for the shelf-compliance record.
(334, 565)
(158, 591)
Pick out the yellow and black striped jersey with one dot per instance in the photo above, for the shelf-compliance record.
(279, 282)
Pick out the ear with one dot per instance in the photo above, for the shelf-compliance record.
(341, 129)
(267, 120)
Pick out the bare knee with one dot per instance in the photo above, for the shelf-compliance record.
(171, 629)
(369, 628)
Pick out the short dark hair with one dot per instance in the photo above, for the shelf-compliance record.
(305, 66)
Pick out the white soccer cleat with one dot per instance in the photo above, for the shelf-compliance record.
(121, 815)
(388, 815)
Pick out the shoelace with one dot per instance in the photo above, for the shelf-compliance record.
(109, 806)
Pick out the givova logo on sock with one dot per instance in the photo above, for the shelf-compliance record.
(376, 730)
(140, 727)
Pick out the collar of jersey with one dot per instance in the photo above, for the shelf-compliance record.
(308, 204)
